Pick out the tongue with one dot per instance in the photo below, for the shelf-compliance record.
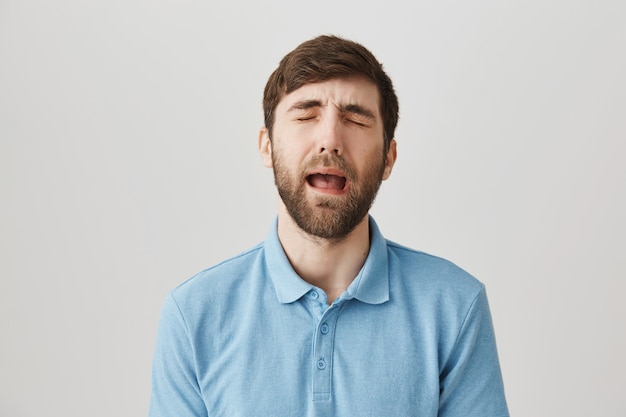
(327, 181)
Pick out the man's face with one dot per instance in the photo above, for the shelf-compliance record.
(327, 152)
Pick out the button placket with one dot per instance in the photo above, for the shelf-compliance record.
(316, 303)
(323, 355)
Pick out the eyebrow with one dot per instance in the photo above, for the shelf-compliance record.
(356, 109)
(343, 108)
(304, 105)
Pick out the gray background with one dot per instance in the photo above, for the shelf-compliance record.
(128, 162)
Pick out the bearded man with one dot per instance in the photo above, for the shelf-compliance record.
(326, 317)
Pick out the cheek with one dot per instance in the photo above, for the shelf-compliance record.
(367, 158)
(286, 162)
(292, 156)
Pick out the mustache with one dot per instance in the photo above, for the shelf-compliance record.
(329, 161)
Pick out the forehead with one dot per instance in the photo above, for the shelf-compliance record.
(337, 91)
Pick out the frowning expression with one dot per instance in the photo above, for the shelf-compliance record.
(327, 152)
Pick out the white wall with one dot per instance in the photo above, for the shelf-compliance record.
(128, 163)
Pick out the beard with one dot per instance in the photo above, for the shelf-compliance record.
(330, 217)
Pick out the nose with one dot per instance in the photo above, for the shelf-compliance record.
(330, 136)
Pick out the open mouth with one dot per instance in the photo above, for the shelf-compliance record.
(327, 182)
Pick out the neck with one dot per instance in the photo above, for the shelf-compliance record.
(328, 264)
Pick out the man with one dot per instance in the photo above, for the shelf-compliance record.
(326, 317)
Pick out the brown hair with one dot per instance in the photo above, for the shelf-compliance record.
(324, 58)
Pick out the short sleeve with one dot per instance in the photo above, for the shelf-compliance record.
(175, 388)
(471, 380)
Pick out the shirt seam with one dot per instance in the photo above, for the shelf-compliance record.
(467, 314)
(189, 340)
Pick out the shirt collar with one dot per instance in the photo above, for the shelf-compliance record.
(371, 285)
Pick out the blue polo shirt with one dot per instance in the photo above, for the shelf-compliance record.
(411, 336)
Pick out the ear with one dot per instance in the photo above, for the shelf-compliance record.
(392, 154)
(265, 147)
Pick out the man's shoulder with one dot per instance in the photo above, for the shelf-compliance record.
(427, 269)
(223, 275)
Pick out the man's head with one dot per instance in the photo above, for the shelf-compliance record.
(330, 114)
(324, 58)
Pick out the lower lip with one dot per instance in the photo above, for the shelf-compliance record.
(328, 191)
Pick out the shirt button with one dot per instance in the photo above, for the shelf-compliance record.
(324, 329)
(314, 295)
(321, 364)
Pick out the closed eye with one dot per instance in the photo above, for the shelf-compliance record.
(304, 110)
(357, 120)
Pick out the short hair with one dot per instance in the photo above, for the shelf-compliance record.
(324, 58)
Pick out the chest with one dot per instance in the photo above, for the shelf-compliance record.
(298, 359)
